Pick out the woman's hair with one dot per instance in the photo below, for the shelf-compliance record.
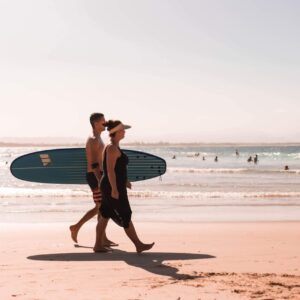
(95, 117)
(110, 124)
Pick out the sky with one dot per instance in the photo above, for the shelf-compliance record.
(177, 71)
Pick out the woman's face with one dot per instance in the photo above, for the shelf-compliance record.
(120, 134)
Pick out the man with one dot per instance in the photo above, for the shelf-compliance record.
(94, 149)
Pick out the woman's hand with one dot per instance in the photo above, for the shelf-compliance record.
(115, 194)
(128, 184)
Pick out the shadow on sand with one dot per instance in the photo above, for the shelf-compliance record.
(149, 261)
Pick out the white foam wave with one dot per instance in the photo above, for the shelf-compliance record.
(78, 193)
(211, 170)
(269, 154)
(294, 155)
(231, 170)
(211, 195)
(35, 192)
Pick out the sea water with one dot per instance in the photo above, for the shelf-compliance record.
(195, 187)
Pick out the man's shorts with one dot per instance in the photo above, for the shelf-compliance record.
(94, 185)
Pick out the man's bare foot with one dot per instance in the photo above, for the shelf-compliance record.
(144, 247)
(102, 249)
(74, 232)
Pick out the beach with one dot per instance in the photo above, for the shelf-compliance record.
(209, 93)
(188, 261)
(225, 230)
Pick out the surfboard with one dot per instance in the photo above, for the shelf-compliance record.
(69, 166)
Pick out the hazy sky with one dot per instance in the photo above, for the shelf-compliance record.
(226, 70)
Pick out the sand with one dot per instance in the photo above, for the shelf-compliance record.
(188, 261)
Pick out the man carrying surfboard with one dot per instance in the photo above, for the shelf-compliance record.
(94, 149)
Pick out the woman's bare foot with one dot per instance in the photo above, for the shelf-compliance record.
(102, 249)
(108, 243)
(74, 232)
(144, 247)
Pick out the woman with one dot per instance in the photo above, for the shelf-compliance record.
(114, 184)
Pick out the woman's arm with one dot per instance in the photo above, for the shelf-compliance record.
(128, 184)
(113, 154)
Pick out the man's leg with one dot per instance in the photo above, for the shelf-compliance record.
(97, 197)
(89, 215)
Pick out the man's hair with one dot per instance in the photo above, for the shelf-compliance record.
(95, 117)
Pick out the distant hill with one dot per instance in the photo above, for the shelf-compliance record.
(41, 141)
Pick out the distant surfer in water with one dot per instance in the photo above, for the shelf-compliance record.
(255, 159)
(94, 149)
(114, 184)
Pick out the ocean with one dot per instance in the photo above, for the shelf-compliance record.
(192, 190)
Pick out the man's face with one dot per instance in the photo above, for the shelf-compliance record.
(100, 125)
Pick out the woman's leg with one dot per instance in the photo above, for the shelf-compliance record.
(100, 230)
(131, 233)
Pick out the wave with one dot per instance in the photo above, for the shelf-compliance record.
(231, 170)
(294, 155)
(211, 170)
(42, 192)
(211, 195)
(80, 193)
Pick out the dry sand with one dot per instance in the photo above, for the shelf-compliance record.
(188, 261)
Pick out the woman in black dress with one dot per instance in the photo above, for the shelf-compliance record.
(114, 184)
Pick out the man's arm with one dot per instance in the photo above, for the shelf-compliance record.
(93, 164)
(89, 155)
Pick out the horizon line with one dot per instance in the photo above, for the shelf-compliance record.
(159, 143)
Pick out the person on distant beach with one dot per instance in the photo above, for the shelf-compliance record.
(94, 148)
(286, 168)
(203, 158)
(255, 159)
(237, 154)
(216, 159)
(174, 157)
(249, 159)
(114, 184)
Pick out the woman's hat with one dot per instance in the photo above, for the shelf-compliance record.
(119, 127)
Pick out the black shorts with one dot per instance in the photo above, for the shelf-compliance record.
(118, 210)
(94, 185)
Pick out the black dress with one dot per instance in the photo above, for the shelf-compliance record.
(117, 209)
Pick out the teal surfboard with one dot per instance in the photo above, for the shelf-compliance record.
(69, 166)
